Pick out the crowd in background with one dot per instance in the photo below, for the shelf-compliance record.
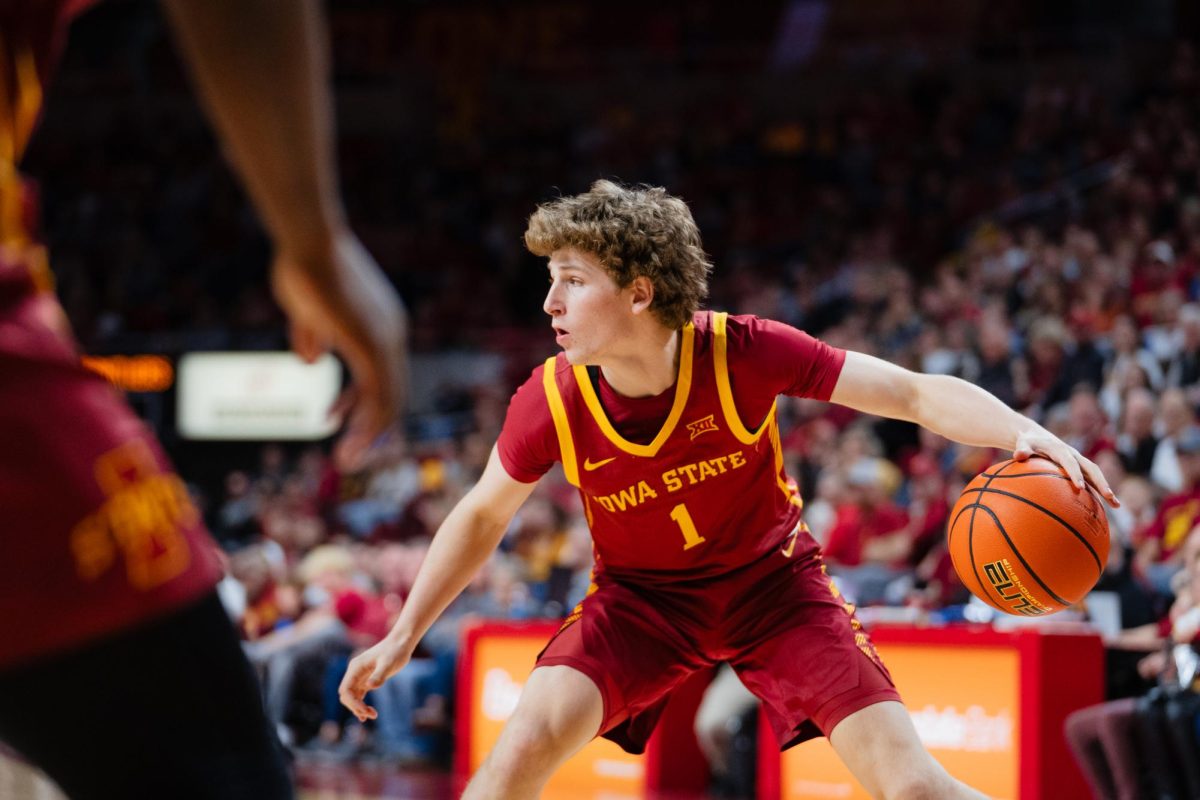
(1039, 238)
(1092, 329)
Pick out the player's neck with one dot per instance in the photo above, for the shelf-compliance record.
(649, 369)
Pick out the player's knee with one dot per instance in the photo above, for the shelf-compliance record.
(525, 750)
(1077, 726)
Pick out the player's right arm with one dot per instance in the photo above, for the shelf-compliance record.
(262, 69)
(459, 549)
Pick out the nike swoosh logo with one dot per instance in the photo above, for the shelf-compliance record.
(590, 465)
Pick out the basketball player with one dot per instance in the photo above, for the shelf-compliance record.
(120, 674)
(664, 417)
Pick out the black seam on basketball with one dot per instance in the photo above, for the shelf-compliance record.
(970, 544)
(1028, 475)
(1020, 557)
(1091, 489)
(1049, 513)
(971, 531)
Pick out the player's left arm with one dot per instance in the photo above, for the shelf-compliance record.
(959, 411)
(262, 69)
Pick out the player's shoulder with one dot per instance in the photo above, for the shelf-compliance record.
(744, 331)
(537, 375)
(711, 323)
(530, 396)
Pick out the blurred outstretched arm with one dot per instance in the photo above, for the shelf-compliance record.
(262, 69)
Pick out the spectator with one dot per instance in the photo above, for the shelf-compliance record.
(317, 636)
(1108, 747)
(1129, 365)
(237, 516)
(1183, 365)
(1056, 365)
(997, 370)
(1176, 415)
(1088, 425)
(1158, 557)
(871, 542)
(1136, 442)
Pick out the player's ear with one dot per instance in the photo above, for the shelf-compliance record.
(641, 294)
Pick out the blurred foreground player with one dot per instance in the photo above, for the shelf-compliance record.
(120, 674)
(664, 417)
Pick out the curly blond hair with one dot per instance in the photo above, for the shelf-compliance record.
(634, 231)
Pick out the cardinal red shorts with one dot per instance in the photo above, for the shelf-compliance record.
(780, 623)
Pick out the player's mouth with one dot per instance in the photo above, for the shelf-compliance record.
(561, 335)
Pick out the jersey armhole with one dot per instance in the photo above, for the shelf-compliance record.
(558, 413)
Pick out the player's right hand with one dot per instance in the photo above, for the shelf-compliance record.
(339, 299)
(368, 671)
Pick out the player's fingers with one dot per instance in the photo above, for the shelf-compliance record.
(362, 406)
(1069, 460)
(352, 691)
(351, 449)
(371, 416)
(1096, 478)
(1025, 449)
(359, 709)
(344, 403)
(306, 343)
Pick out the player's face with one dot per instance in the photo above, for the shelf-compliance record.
(587, 309)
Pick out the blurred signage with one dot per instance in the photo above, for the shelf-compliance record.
(498, 667)
(964, 703)
(141, 373)
(256, 396)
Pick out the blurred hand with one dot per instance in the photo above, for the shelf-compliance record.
(1079, 469)
(368, 671)
(340, 300)
(1152, 665)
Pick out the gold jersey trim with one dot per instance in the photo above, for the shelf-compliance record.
(18, 115)
(734, 421)
(558, 411)
(682, 387)
(725, 391)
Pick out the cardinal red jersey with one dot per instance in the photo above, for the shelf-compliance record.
(706, 495)
(96, 531)
(31, 34)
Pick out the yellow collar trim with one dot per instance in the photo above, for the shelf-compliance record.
(725, 390)
(682, 386)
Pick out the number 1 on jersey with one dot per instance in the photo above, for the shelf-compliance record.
(691, 536)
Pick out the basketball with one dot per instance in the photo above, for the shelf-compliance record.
(1024, 541)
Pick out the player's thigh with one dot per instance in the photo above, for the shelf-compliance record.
(633, 650)
(560, 711)
(880, 746)
(806, 656)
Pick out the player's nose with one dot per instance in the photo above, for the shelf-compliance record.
(553, 304)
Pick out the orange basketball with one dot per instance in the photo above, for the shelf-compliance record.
(1024, 541)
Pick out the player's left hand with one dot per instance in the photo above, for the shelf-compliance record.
(1079, 469)
(339, 299)
(368, 671)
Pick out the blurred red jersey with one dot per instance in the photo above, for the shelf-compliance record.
(708, 493)
(97, 533)
(32, 33)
